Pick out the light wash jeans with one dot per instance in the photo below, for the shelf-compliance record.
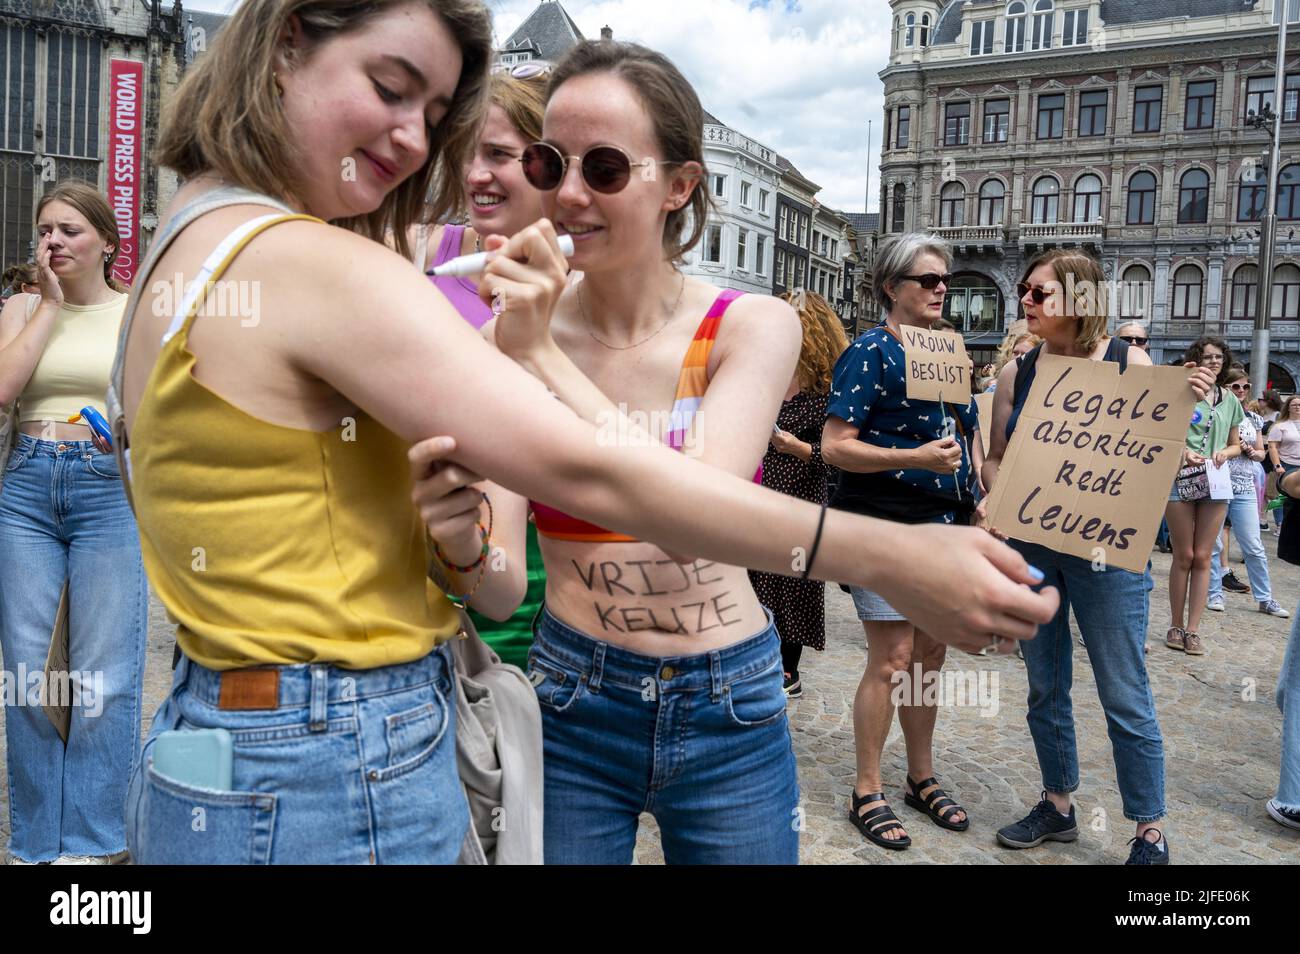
(1288, 701)
(352, 767)
(1243, 511)
(64, 516)
(700, 742)
(1112, 606)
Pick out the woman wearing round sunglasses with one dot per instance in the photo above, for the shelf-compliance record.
(1112, 605)
(1195, 519)
(1243, 512)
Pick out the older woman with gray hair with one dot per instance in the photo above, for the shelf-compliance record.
(908, 461)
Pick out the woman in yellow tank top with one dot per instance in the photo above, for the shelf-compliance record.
(268, 427)
(64, 517)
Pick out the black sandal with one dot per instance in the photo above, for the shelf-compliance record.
(935, 805)
(887, 822)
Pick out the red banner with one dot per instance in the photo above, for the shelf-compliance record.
(126, 121)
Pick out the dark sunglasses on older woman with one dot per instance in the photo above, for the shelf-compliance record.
(930, 280)
(606, 169)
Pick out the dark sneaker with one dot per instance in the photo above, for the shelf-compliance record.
(1234, 585)
(1148, 852)
(1289, 817)
(1042, 824)
(792, 687)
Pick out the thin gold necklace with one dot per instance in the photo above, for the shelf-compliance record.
(587, 321)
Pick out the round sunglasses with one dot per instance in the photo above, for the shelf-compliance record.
(606, 169)
(1039, 293)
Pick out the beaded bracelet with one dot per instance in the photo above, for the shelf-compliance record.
(445, 584)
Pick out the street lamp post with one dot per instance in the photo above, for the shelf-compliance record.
(1269, 120)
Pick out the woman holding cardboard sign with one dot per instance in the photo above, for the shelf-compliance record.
(1110, 603)
(906, 460)
(1194, 513)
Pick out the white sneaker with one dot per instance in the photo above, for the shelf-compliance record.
(1272, 609)
(1215, 603)
(15, 860)
(116, 859)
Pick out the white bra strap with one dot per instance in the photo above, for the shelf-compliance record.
(196, 286)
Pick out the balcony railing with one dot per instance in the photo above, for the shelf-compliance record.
(975, 237)
(1233, 329)
(1062, 233)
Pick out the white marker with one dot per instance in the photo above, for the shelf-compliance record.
(464, 266)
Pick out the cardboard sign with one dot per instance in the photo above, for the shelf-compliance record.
(937, 366)
(984, 404)
(1220, 481)
(1092, 459)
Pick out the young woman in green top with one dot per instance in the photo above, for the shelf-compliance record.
(1194, 518)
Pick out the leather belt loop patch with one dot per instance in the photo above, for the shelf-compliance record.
(250, 689)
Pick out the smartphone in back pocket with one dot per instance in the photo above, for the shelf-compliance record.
(202, 758)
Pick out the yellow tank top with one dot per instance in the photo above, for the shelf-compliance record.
(271, 544)
(75, 365)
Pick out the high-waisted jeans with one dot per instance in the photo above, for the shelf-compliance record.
(700, 742)
(64, 517)
(1112, 607)
(1243, 511)
(352, 767)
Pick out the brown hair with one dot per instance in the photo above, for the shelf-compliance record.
(823, 340)
(90, 202)
(16, 276)
(523, 101)
(1197, 351)
(226, 116)
(1078, 271)
(674, 111)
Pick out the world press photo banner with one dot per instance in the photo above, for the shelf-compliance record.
(126, 126)
(1093, 457)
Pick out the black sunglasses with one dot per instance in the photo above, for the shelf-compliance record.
(930, 280)
(1039, 292)
(606, 169)
(1133, 339)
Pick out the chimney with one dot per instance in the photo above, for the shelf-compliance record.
(606, 33)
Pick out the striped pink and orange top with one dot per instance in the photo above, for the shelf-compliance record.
(692, 382)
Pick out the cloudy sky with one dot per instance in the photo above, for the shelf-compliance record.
(796, 75)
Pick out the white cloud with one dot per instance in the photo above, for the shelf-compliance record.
(797, 75)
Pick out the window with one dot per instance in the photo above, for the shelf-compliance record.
(1187, 292)
(1288, 194)
(1076, 28)
(981, 37)
(1291, 98)
(1087, 199)
(760, 255)
(1252, 194)
(1141, 199)
(1047, 192)
(1292, 12)
(1092, 113)
(801, 268)
(992, 202)
(899, 212)
(713, 244)
(1199, 113)
(1014, 40)
(910, 37)
(1040, 37)
(925, 29)
(1146, 108)
(744, 194)
(1259, 94)
(1286, 292)
(740, 249)
(762, 200)
(952, 203)
(904, 127)
(783, 222)
(817, 241)
(1194, 197)
(1245, 290)
(778, 267)
(1135, 293)
(720, 186)
(956, 124)
(997, 116)
(803, 230)
(1051, 116)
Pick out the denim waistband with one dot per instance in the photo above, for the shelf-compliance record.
(303, 684)
(603, 663)
(35, 447)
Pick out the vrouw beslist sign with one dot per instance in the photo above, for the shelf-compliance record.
(1092, 459)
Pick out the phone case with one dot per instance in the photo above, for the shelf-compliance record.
(201, 758)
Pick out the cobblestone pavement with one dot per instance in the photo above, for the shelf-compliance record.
(1221, 746)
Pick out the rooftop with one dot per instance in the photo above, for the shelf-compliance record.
(549, 30)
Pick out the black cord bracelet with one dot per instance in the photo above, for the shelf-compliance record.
(817, 540)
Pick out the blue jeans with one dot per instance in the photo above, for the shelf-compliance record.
(353, 767)
(64, 517)
(700, 742)
(1243, 511)
(1288, 701)
(1112, 608)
